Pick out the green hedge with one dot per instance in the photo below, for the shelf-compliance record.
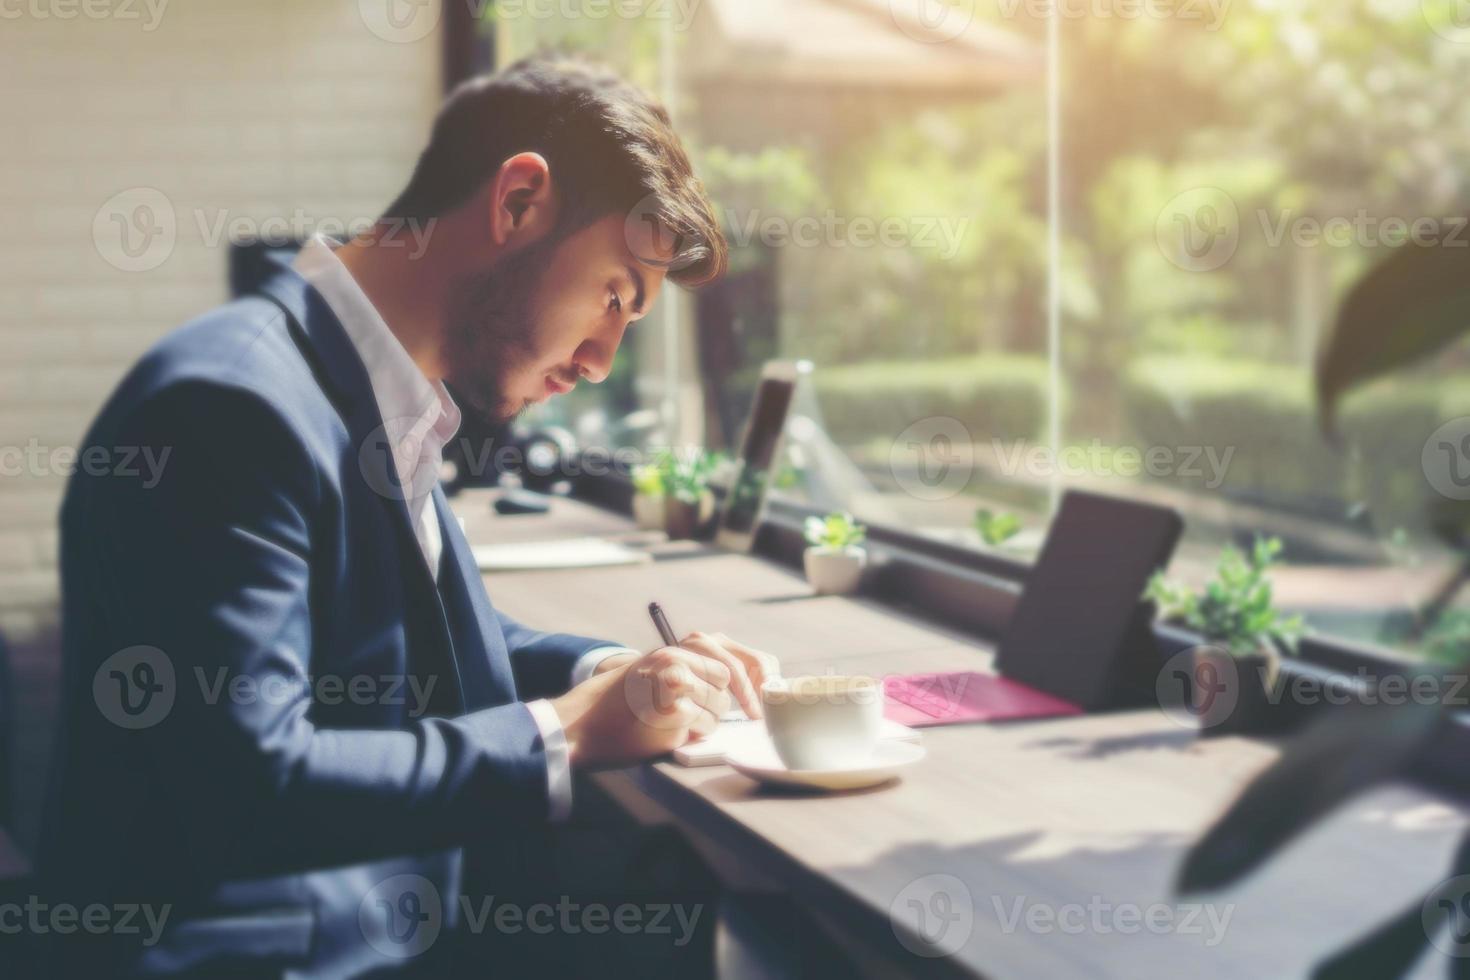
(996, 396)
(1267, 413)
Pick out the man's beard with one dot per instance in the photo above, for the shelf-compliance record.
(490, 330)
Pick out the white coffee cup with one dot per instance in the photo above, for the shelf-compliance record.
(822, 722)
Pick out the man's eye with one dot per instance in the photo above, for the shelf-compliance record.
(615, 304)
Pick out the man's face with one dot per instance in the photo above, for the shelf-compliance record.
(546, 316)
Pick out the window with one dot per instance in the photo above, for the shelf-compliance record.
(1227, 178)
(1141, 319)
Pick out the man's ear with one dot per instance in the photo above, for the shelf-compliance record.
(522, 205)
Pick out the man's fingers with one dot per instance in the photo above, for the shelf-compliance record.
(693, 680)
(678, 674)
(671, 685)
(689, 687)
(713, 701)
(740, 683)
(695, 717)
(760, 666)
(718, 703)
(714, 671)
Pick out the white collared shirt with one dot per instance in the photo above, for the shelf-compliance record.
(419, 419)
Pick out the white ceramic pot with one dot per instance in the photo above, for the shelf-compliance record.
(834, 571)
(648, 511)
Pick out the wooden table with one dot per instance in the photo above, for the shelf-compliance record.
(1032, 850)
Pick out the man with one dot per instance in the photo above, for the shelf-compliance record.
(288, 700)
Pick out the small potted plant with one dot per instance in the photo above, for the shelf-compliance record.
(649, 492)
(688, 503)
(995, 529)
(834, 561)
(1234, 674)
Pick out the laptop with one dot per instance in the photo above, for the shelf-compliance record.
(1079, 639)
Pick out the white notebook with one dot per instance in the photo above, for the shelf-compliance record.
(730, 735)
(570, 553)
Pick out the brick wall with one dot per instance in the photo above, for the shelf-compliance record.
(211, 115)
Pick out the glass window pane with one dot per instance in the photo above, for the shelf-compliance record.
(1228, 177)
(875, 168)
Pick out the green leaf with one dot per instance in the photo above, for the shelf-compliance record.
(649, 479)
(1237, 607)
(1410, 306)
(996, 529)
(687, 478)
(837, 530)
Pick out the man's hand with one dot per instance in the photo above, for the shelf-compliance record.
(644, 708)
(749, 668)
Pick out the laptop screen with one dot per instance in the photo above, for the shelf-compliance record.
(1072, 628)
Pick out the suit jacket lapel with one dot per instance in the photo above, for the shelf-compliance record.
(346, 383)
(484, 663)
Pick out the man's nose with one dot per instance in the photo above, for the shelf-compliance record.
(594, 359)
(593, 362)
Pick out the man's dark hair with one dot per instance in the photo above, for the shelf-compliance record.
(611, 148)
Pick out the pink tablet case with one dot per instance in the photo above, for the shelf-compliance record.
(923, 700)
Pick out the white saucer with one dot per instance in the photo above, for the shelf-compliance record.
(761, 763)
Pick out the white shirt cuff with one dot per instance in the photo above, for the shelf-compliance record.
(558, 759)
(584, 667)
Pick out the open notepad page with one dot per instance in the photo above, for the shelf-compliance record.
(742, 733)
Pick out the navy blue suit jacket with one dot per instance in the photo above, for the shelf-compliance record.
(240, 739)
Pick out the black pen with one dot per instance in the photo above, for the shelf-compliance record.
(666, 633)
(661, 623)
